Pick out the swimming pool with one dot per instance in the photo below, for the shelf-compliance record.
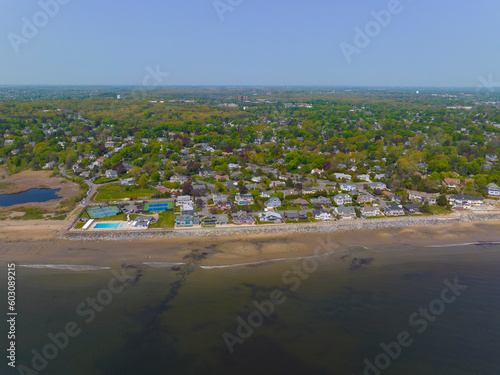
(109, 225)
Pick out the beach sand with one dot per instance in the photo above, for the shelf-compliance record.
(236, 249)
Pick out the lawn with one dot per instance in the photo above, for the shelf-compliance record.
(117, 192)
(439, 210)
(166, 220)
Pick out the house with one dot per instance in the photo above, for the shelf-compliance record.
(492, 157)
(320, 214)
(291, 215)
(370, 211)
(186, 221)
(76, 168)
(345, 212)
(378, 185)
(341, 199)
(110, 174)
(242, 217)
(233, 166)
(320, 201)
(109, 144)
(179, 178)
(364, 177)
(300, 202)
(270, 216)
(348, 187)
(256, 179)
(217, 220)
(49, 165)
(181, 199)
(310, 190)
(451, 183)
(421, 197)
(275, 184)
(394, 210)
(317, 171)
(395, 198)
(199, 189)
(493, 190)
(365, 198)
(411, 208)
(127, 182)
(342, 176)
(243, 199)
(290, 192)
(219, 199)
(265, 194)
(465, 201)
(141, 222)
(274, 202)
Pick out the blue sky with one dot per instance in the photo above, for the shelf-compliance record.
(427, 43)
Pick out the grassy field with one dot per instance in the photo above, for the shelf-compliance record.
(439, 210)
(117, 192)
(166, 220)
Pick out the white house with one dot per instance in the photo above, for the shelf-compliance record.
(270, 216)
(345, 212)
(348, 187)
(370, 211)
(341, 199)
(320, 214)
(493, 190)
(378, 185)
(111, 174)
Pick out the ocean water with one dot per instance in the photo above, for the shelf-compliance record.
(331, 315)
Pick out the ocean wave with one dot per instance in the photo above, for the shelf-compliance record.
(66, 267)
(480, 243)
(162, 264)
(266, 261)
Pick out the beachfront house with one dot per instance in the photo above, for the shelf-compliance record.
(465, 201)
(141, 222)
(394, 210)
(242, 217)
(345, 212)
(270, 217)
(323, 215)
(421, 197)
(186, 221)
(274, 202)
(411, 208)
(341, 199)
(493, 190)
(371, 211)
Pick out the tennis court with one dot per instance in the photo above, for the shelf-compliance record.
(158, 207)
(100, 212)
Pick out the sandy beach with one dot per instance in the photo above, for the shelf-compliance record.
(242, 248)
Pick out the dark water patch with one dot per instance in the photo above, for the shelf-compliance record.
(357, 263)
(29, 196)
(417, 276)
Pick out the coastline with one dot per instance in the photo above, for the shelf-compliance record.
(318, 227)
(252, 248)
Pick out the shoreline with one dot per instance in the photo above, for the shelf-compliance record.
(318, 227)
(255, 248)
